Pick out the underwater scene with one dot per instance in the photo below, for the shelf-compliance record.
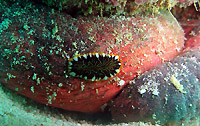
(99, 63)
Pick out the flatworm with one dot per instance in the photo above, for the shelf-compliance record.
(94, 66)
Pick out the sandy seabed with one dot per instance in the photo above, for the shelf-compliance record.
(16, 110)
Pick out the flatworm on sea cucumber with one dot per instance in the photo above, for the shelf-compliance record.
(94, 66)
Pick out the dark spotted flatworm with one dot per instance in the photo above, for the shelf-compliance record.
(94, 66)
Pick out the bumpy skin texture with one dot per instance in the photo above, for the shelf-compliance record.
(37, 42)
(156, 95)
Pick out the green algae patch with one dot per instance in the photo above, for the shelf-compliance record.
(116, 7)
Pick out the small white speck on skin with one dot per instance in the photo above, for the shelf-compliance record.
(34, 76)
(60, 84)
(97, 91)
(82, 87)
(141, 91)
(32, 89)
(155, 92)
(121, 83)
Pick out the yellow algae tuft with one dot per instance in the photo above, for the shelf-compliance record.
(177, 84)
